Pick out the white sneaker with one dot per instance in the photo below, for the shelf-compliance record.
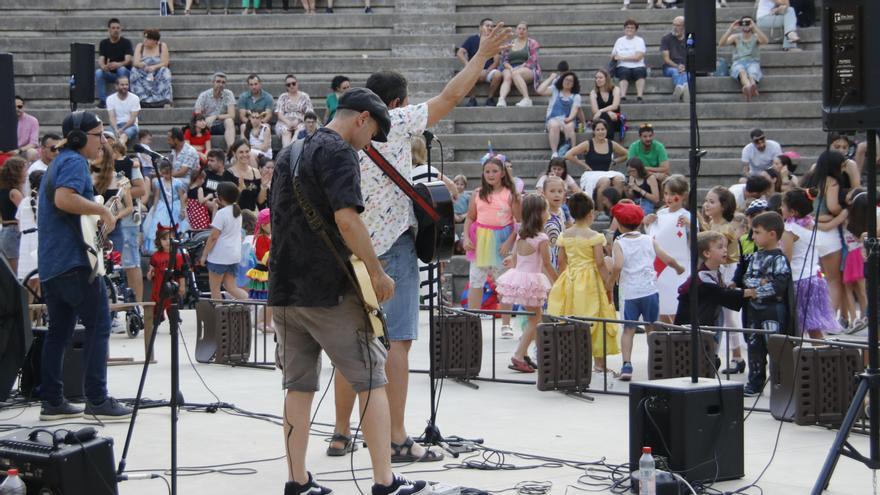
(554, 155)
(501, 102)
(525, 102)
(506, 332)
(676, 93)
(685, 93)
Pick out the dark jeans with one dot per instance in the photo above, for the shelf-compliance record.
(757, 342)
(70, 297)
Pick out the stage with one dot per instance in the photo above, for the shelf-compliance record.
(510, 417)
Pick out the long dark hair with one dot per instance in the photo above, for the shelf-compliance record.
(35, 178)
(533, 208)
(636, 163)
(10, 173)
(798, 201)
(727, 201)
(193, 130)
(857, 221)
(558, 162)
(829, 164)
(238, 143)
(228, 192)
(506, 181)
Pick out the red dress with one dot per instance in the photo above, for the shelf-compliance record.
(159, 262)
(198, 142)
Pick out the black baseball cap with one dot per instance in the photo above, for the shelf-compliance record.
(364, 100)
(83, 121)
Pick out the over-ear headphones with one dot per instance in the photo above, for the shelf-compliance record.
(76, 138)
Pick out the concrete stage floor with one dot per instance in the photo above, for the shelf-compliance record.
(508, 416)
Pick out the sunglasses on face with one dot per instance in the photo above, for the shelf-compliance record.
(291, 84)
(19, 106)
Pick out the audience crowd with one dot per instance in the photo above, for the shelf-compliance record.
(551, 229)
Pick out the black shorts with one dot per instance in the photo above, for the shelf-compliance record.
(631, 74)
(218, 127)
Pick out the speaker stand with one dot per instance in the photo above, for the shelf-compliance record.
(869, 381)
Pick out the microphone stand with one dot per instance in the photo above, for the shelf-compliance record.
(169, 292)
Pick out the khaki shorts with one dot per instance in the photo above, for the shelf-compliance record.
(303, 332)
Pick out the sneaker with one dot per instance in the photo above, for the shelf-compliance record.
(102, 104)
(553, 155)
(626, 372)
(109, 410)
(328, 10)
(491, 102)
(64, 410)
(685, 93)
(676, 93)
(310, 488)
(525, 102)
(506, 332)
(748, 391)
(858, 326)
(501, 103)
(368, 10)
(401, 486)
(472, 102)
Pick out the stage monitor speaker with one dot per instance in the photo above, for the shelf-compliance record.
(82, 73)
(8, 119)
(850, 69)
(697, 428)
(15, 328)
(699, 20)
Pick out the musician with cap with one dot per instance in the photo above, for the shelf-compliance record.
(71, 290)
(312, 296)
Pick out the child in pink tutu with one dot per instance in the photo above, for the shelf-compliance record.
(815, 315)
(854, 264)
(527, 283)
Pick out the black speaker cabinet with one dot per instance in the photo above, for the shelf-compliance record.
(72, 367)
(699, 20)
(850, 96)
(15, 324)
(696, 427)
(82, 73)
(8, 119)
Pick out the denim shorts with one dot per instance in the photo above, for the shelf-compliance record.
(10, 241)
(402, 311)
(126, 240)
(752, 68)
(220, 269)
(647, 308)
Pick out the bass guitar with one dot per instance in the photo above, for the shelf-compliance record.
(432, 204)
(95, 233)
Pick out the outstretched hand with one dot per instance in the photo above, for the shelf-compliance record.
(498, 39)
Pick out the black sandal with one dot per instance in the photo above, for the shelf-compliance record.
(348, 445)
(398, 455)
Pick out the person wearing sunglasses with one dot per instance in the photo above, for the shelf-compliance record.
(746, 38)
(758, 155)
(291, 109)
(28, 128)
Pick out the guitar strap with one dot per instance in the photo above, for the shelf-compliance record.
(317, 226)
(50, 190)
(402, 183)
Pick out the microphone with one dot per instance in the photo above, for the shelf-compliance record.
(80, 436)
(429, 136)
(141, 149)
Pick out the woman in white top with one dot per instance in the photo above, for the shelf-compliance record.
(258, 136)
(629, 55)
(290, 109)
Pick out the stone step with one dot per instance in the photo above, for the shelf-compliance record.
(773, 62)
(108, 9)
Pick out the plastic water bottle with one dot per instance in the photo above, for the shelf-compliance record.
(12, 485)
(647, 473)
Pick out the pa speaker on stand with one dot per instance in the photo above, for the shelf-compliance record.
(699, 21)
(82, 74)
(8, 118)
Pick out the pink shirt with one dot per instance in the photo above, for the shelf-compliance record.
(28, 130)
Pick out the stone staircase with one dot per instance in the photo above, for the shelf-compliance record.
(418, 38)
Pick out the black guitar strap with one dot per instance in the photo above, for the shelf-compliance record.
(317, 226)
(402, 183)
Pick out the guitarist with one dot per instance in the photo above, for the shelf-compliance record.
(70, 291)
(389, 218)
(315, 306)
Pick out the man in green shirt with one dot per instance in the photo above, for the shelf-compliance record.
(651, 152)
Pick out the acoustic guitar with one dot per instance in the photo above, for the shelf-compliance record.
(375, 315)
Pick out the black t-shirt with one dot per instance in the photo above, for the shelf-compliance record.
(212, 180)
(304, 271)
(677, 48)
(471, 45)
(115, 52)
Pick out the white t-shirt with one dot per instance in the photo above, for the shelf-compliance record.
(627, 48)
(739, 192)
(421, 173)
(570, 183)
(638, 278)
(37, 165)
(123, 108)
(764, 7)
(802, 252)
(759, 161)
(227, 249)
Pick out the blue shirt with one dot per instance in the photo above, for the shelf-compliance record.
(61, 248)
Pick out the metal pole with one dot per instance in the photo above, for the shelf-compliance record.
(872, 263)
(694, 169)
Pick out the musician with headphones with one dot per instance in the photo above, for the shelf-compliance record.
(72, 292)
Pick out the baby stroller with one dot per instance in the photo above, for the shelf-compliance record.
(119, 291)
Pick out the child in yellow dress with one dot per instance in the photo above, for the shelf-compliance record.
(580, 290)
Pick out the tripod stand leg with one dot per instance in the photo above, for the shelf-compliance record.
(839, 441)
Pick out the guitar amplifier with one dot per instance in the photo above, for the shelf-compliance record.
(50, 467)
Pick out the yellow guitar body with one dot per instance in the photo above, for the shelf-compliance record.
(374, 311)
